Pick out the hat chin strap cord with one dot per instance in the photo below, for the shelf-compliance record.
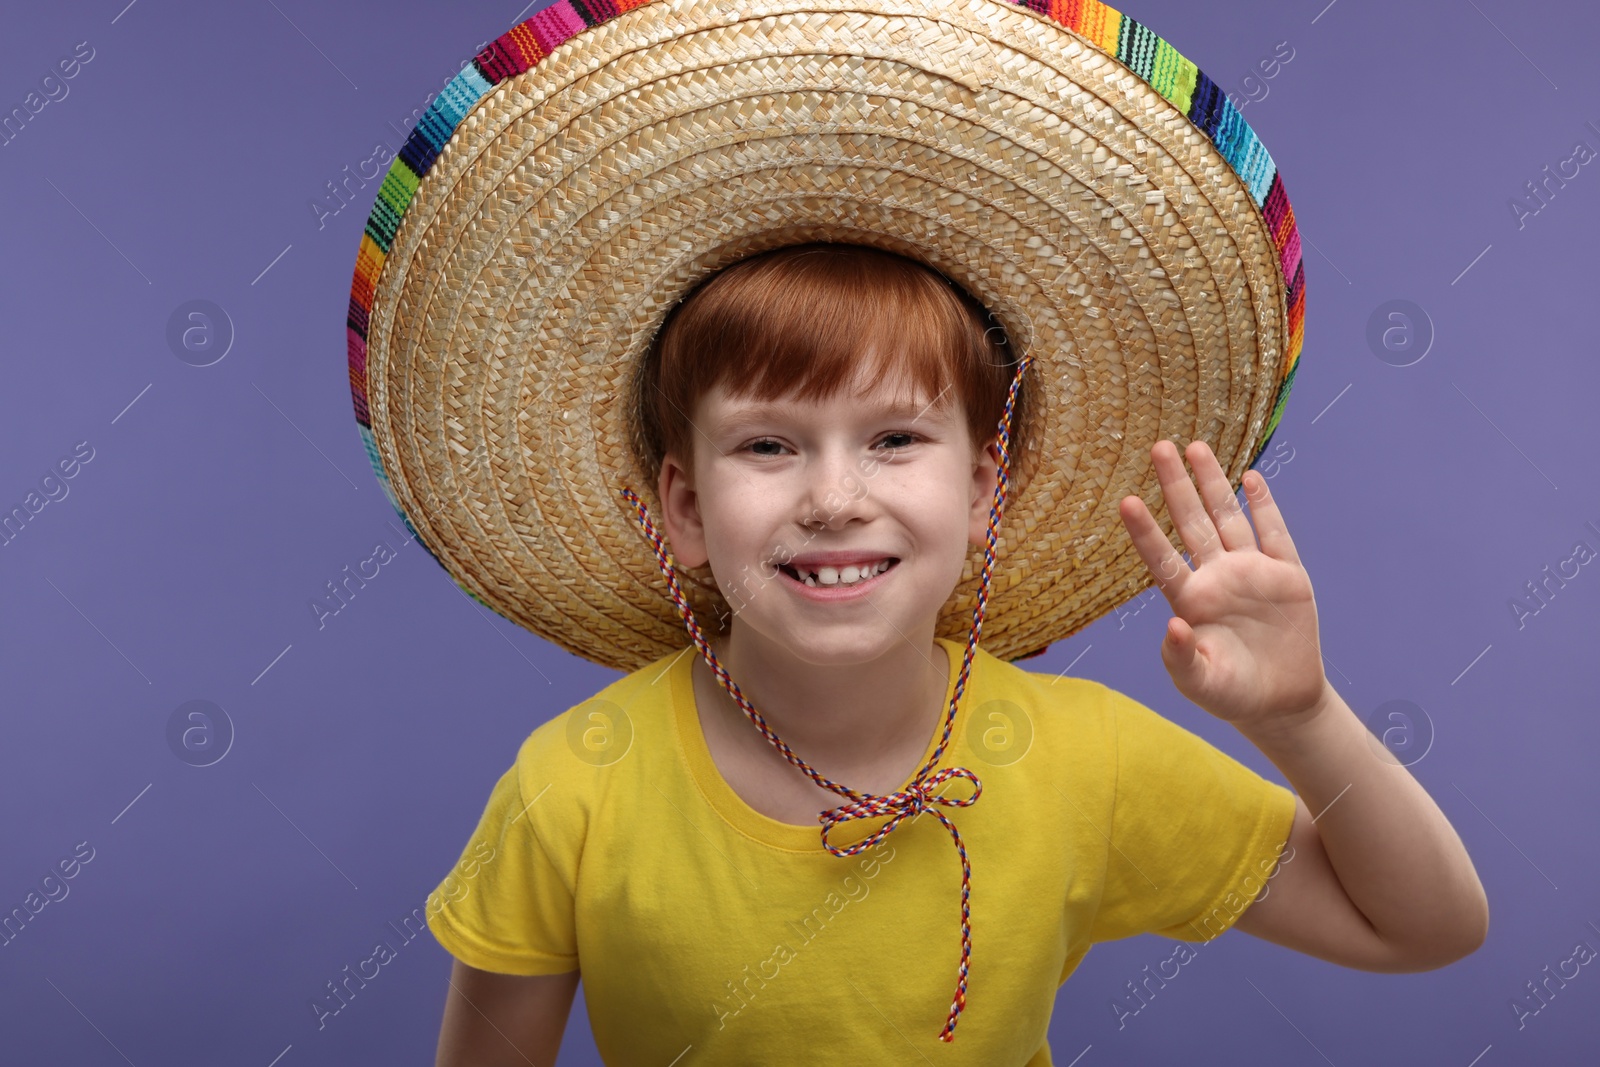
(919, 796)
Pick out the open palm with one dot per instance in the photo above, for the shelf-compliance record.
(1242, 642)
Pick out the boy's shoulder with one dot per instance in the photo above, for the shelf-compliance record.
(1054, 719)
(1080, 700)
(1071, 710)
(622, 723)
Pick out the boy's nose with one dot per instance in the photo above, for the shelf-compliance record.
(835, 491)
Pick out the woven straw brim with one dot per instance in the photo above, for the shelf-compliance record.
(576, 201)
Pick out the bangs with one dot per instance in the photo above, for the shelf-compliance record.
(814, 334)
(811, 320)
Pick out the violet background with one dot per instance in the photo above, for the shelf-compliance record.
(1423, 498)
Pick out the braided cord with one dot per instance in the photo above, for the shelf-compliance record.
(919, 796)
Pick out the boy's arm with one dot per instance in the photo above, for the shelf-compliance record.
(504, 1020)
(1377, 878)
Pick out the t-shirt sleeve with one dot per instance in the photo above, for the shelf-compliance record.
(507, 905)
(1194, 833)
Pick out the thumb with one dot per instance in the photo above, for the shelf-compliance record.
(1180, 651)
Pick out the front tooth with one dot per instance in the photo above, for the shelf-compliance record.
(849, 574)
(827, 576)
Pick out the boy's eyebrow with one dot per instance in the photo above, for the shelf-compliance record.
(908, 410)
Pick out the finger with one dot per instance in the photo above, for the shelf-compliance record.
(1165, 564)
(1189, 516)
(1182, 654)
(1227, 517)
(1269, 524)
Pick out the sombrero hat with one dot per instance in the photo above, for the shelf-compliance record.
(1098, 193)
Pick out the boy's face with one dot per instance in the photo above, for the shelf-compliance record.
(783, 490)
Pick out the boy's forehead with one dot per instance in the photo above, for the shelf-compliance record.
(888, 391)
(886, 399)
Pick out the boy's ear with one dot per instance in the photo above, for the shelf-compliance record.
(680, 513)
(985, 475)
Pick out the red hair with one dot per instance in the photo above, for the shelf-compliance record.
(803, 318)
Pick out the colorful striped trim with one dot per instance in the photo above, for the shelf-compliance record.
(1134, 45)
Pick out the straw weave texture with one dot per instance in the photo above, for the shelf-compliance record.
(575, 202)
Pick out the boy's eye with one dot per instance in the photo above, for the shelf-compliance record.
(898, 439)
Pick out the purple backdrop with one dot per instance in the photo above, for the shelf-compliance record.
(208, 505)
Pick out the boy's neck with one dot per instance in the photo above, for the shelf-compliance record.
(852, 723)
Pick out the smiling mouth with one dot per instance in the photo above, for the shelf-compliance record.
(838, 577)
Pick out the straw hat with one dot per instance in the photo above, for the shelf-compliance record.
(1088, 184)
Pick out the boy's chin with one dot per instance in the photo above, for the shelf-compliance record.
(828, 646)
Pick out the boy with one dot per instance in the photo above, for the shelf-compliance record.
(823, 412)
(627, 249)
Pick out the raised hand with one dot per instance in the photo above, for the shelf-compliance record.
(1242, 642)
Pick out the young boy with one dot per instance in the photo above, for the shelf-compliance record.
(823, 425)
(830, 431)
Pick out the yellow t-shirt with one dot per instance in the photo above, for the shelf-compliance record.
(614, 846)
